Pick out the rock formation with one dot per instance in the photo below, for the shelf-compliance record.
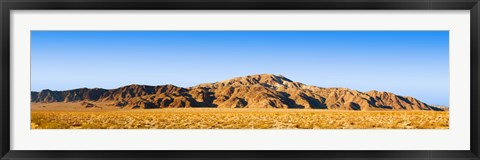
(253, 91)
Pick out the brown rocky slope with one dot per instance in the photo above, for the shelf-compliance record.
(253, 91)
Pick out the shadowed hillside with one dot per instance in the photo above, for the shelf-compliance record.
(253, 91)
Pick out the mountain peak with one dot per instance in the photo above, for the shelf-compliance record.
(269, 80)
(271, 77)
(251, 91)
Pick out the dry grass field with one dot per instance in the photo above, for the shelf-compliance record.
(203, 118)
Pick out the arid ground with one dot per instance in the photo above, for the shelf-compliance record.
(55, 116)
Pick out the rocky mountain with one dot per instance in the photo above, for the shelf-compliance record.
(253, 91)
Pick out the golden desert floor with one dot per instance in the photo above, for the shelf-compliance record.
(213, 118)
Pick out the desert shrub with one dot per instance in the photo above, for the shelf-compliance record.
(194, 118)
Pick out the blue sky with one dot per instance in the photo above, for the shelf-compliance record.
(409, 63)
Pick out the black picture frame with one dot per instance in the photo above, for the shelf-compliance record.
(9, 5)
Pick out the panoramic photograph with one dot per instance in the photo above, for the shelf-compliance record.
(239, 80)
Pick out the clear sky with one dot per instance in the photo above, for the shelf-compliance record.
(409, 63)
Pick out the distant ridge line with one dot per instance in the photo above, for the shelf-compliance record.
(252, 91)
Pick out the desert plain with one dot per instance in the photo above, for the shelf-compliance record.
(263, 101)
(55, 116)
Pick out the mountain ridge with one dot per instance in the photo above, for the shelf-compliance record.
(251, 91)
